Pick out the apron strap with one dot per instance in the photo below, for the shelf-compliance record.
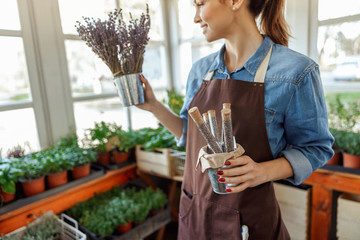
(261, 71)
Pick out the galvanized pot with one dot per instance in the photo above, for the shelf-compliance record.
(130, 90)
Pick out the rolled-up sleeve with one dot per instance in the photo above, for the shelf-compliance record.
(306, 127)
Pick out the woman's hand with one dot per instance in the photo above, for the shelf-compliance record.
(246, 171)
(150, 99)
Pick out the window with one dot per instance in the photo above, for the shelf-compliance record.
(338, 44)
(17, 122)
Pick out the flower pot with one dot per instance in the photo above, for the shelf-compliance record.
(6, 197)
(57, 179)
(351, 161)
(104, 158)
(335, 159)
(130, 90)
(80, 171)
(33, 187)
(123, 228)
(120, 157)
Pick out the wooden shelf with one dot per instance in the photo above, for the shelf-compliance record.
(64, 200)
(324, 182)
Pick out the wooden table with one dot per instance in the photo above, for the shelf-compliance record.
(324, 182)
(64, 200)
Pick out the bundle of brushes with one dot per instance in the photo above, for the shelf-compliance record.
(208, 127)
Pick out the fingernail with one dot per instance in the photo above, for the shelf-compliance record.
(221, 179)
(220, 172)
(227, 163)
(228, 190)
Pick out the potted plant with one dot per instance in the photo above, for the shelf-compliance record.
(9, 174)
(123, 142)
(80, 158)
(121, 46)
(56, 165)
(97, 138)
(158, 200)
(33, 178)
(343, 120)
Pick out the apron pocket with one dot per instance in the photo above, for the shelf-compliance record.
(186, 204)
(225, 223)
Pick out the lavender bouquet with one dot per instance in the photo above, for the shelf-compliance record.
(119, 45)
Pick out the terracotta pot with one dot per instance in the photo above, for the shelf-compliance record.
(124, 228)
(120, 157)
(351, 161)
(80, 171)
(103, 158)
(335, 159)
(33, 187)
(57, 179)
(6, 197)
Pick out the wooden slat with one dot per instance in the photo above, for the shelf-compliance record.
(321, 213)
(64, 200)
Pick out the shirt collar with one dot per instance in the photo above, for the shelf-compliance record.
(251, 65)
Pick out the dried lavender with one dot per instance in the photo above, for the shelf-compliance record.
(227, 129)
(214, 124)
(120, 46)
(210, 139)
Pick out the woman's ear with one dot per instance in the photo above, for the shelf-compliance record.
(237, 4)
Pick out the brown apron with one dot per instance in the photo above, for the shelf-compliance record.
(204, 214)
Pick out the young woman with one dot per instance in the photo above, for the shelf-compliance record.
(278, 112)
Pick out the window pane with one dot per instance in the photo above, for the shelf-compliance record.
(72, 11)
(88, 73)
(136, 7)
(154, 66)
(9, 15)
(107, 110)
(190, 53)
(334, 8)
(17, 127)
(14, 82)
(339, 53)
(188, 29)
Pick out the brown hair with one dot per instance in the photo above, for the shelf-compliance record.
(272, 22)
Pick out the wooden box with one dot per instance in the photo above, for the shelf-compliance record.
(295, 209)
(348, 217)
(157, 163)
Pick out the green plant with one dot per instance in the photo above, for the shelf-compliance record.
(70, 140)
(158, 199)
(32, 166)
(126, 140)
(9, 174)
(98, 136)
(151, 138)
(350, 143)
(79, 156)
(174, 100)
(54, 160)
(48, 228)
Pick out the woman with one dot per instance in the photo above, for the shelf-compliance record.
(278, 112)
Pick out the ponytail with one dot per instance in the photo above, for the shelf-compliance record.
(272, 22)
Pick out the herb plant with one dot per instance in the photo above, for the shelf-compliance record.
(9, 174)
(119, 45)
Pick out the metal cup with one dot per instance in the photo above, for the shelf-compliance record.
(130, 90)
(218, 187)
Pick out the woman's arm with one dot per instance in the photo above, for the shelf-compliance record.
(166, 117)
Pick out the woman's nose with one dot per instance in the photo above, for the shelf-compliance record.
(197, 18)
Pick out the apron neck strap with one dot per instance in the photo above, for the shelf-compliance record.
(261, 71)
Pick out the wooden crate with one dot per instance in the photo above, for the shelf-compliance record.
(158, 163)
(348, 217)
(295, 209)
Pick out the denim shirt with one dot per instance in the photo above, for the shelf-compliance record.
(295, 108)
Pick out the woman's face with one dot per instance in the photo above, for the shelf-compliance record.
(214, 18)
